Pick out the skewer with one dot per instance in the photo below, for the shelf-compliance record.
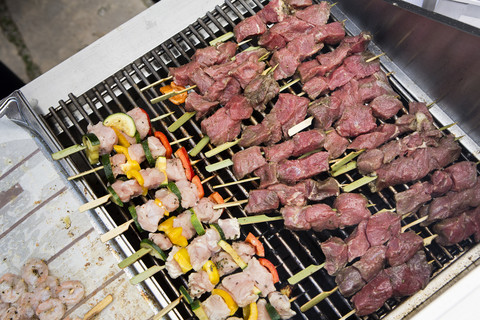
(156, 83)
(98, 307)
(145, 274)
(235, 182)
(229, 204)
(323, 295)
(81, 174)
(171, 94)
(375, 57)
(300, 126)
(348, 315)
(168, 308)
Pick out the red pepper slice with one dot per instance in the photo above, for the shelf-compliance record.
(196, 181)
(259, 249)
(183, 156)
(163, 139)
(149, 123)
(267, 264)
(216, 197)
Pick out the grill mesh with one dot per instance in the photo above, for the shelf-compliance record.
(289, 251)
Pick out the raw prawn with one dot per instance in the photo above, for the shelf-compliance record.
(52, 309)
(71, 292)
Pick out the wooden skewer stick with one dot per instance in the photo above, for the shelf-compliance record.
(171, 94)
(305, 273)
(375, 57)
(208, 179)
(180, 140)
(235, 182)
(168, 308)
(116, 231)
(98, 307)
(162, 116)
(300, 126)
(317, 299)
(288, 85)
(156, 83)
(349, 157)
(145, 274)
(418, 221)
(257, 219)
(229, 204)
(348, 315)
(94, 203)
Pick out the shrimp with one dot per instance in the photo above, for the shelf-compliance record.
(3, 307)
(71, 292)
(47, 289)
(52, 309)
(27, 304)
(11, 287)
(11, 314)
(34, 272)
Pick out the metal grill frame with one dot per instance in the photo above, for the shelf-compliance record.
(67, 123)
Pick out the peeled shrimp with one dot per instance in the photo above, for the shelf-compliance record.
(47, 289)
(11, 314)
(3, 307)
(34, 272)
(71, 292)
(52, 309)
(11, 287)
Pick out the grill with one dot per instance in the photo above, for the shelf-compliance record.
(289, 251)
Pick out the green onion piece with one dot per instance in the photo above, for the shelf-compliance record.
(357, 184)
(305, 273)
(348, 167)
(134, 257)
(309, 153)
(221, 148)
(146, 274)
(219, 165)
(181, 121)
(317, 299)
(67, 151)
(257, 219)
(346, 159)
(200, 145)
(222, 38)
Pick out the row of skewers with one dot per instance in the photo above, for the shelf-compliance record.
(382, 132)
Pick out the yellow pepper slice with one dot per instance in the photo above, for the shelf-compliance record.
(175, 236)
(250, 312)
(144, 191)
(166, 225)
(123, 150)
(159, 203)
(232, 305)
(135, 174)
(121, 138)
(211, 269)
(183, 260)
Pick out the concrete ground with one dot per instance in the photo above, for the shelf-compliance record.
(36, 35)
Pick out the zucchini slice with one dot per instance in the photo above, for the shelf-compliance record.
(173, 188)
(107, 167)
(272, 312)
(91, 142)
(133, 213)
(122, 122)
(219, 230)
(115, 198)
(198, 310)
(197, 224)
(138, 139)
(186, 295)
(155, 250)
(148, 154)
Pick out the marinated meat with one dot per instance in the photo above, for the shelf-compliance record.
(355, 120)
(268, 175)
(463, 175)
(385, 106)
(198, 103)
(290, 195)
(420, 268)
(358, 66)
(326, 111)
(251, 26)
(330, 33)
(261, 201)
(319, 190)
(441, 183)
(116, 161)
(321, 217)
(149, 214)
(105, 135)
(316, 14)
(402, 247)
(205, 211)
(261, 276)
(372, 262)
(335, 144)
(241, 288)
(217, 54)
(280, 151)
(184, 221)
(310, 69)
(175, 171)
(383, 133)
(275, 11)
(161, 240)
(216, 308)
(291, 171)
(412, 199)
(336, 255)
(357, 241)
(281, 303)
(315, 87)
(127, 189)
(453, 230)
(381, 227)
(261, 90)
(352, 208)
(189, 193)
(230, 228)
(245, 250)
(373, 295)
(307, 141)
(220, 127)
(152, 178)
(199, 283)
(247, 161)
(169, 199)
(247, 71)
(224, 262)
(370, 161)
(294, 218)
(339, 77)
(349, 281)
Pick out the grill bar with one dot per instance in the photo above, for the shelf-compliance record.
(290, 251)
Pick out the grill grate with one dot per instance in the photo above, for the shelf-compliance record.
(290, 251)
